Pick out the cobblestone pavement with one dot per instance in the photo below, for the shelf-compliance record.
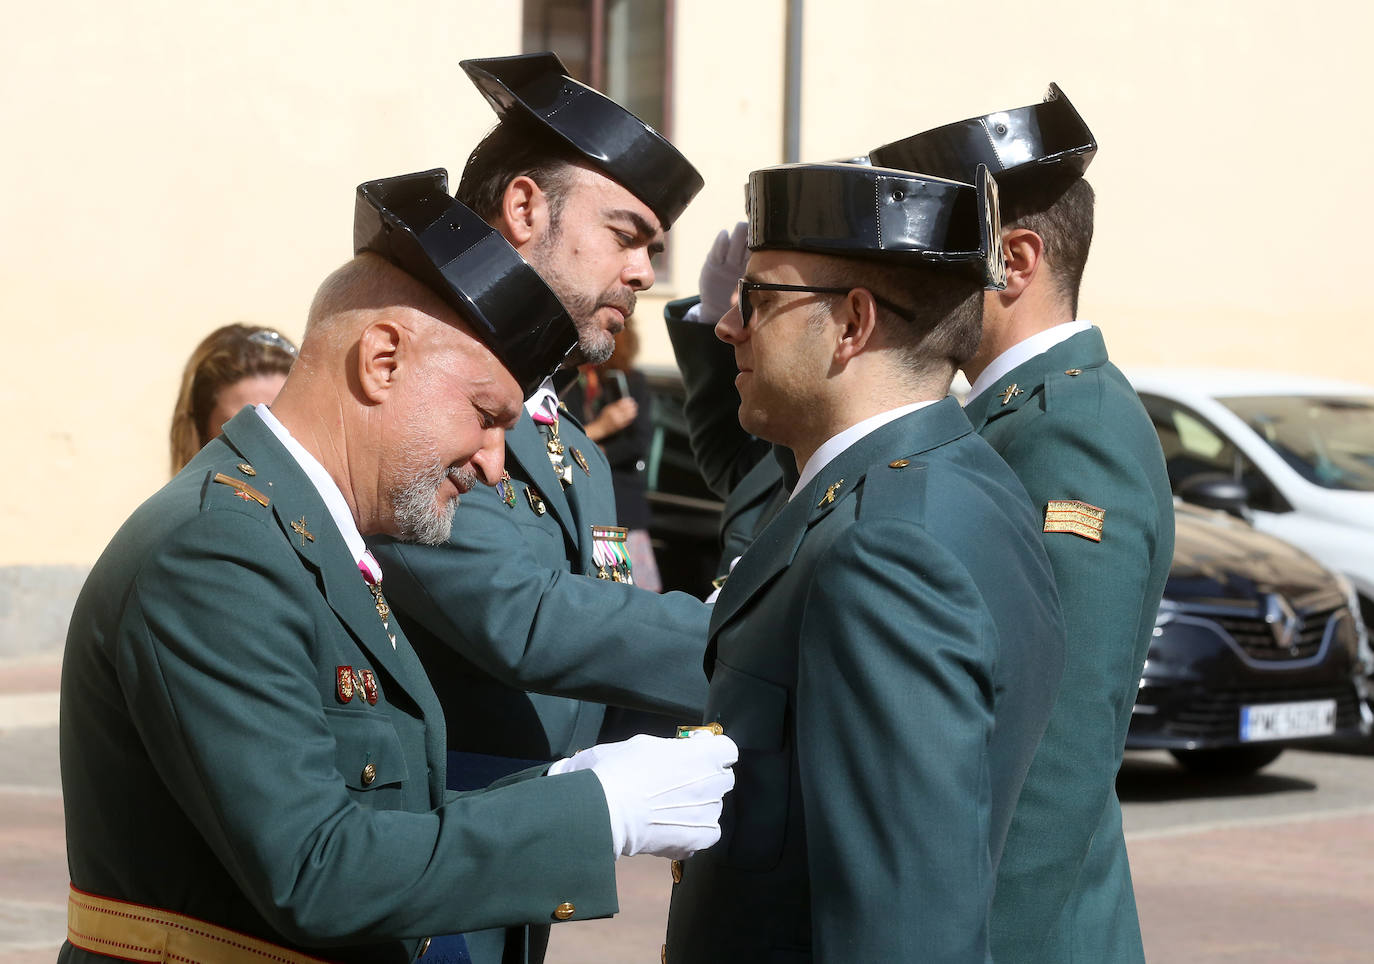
(1269, 870)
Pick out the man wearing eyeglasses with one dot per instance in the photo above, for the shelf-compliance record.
(886, 652)
(1050, 402)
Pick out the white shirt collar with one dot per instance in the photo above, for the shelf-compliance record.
(544, 397)
(1022, 352)
(324, 483)
(832, 447)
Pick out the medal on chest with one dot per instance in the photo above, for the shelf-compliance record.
(611, 555)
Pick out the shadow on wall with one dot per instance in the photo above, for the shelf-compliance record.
(35, 607)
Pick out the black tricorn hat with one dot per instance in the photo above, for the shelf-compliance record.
(536, 87)
(1043, 140)
(413, 222)
(878, 213)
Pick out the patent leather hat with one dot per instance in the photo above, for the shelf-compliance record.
(878, 213)
(1048, 139)
(537, 88)
(414, 223)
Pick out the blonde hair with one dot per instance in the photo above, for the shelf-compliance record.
(227, 355)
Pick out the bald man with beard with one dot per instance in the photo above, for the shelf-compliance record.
(252, 755)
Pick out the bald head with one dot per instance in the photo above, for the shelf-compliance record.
(354, 295)
(397, 398)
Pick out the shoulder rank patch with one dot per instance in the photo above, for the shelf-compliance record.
(245, 491)
(1079, 518)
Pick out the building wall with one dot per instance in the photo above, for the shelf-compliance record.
(173, 167)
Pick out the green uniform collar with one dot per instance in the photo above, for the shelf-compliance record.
(1082, 352)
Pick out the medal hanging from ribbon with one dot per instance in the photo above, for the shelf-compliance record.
(610, 554)
(548, 427)
(372, 575)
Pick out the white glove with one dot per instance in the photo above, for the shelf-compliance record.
(664, 795)
(724, 265)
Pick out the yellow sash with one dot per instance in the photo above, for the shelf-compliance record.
(136, 932)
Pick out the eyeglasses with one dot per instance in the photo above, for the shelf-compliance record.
(746, 308)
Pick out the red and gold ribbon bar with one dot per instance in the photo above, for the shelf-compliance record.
(1079, 518)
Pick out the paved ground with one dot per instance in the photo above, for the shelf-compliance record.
(1269, 870)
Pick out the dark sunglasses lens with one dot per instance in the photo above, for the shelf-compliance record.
(745, 309)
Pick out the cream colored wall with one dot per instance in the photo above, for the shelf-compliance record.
(172, 167)
(169, 168)
(1233, 162)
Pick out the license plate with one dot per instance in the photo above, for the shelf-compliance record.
(1284, 721)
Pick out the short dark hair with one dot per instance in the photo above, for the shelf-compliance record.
(1060, 210)
(516, 148)
(944, 310)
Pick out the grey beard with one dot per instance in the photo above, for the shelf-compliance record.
(417, 518)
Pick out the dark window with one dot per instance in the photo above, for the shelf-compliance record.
(623, 48)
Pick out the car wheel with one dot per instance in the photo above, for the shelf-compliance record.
(1231, 761)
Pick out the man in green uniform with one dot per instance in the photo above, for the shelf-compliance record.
(886, 652)
(1048, 400)
(252, 757)
(527, 619)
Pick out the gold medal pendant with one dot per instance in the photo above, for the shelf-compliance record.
(383, 609)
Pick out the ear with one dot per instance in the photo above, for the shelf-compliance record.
(1024, 252)
(857, 320)
(524, 212)
(379, 348)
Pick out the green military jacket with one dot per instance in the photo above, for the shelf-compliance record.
(241, 742)
(524, 643)
(885, 656)
(1074, 431)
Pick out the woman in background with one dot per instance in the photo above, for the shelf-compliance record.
(234, 366)
(612, 402)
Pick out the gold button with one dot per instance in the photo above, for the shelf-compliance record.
(899, 463)
(369, 774)
(677, 871)
(1074, 371)
(247, 469)
(564, 910)
(424, 946)
(663, 955)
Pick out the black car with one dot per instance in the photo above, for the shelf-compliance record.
(1254, 649)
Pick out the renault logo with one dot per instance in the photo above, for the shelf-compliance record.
(1283, 622)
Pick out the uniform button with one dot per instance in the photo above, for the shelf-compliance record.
(1074, 371)
(424, 946)
(663, 955)
(899, 463)
(677, 871)
(369, 774)
(564, 910)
